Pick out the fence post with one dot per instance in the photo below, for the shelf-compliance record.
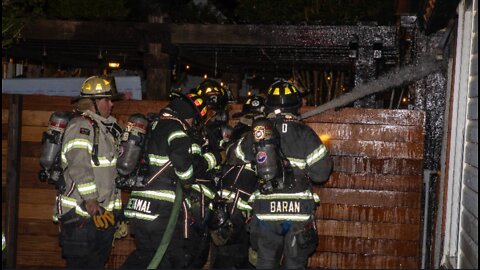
(13, 177)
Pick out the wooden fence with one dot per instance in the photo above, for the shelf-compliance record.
(370, 211)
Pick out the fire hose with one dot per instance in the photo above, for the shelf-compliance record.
(167, 236)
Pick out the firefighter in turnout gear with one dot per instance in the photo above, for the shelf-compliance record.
(216, 98)
(253, 107)
(288, 155)
(212, 137)
(171, 159)
(88, 202)
(230, 208)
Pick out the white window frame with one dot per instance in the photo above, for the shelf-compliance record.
(457, 138)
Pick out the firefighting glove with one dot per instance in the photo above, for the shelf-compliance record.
(103, 220)
(122, 230)
(252, 256)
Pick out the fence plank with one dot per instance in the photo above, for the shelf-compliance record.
(369, 230)
(368, 132)
(372, 181)
(372, 198)
(39, 251)
(367, 214)
(36, 210)
(375, 149)
(360, 261)
(387, 247)
(385, 165)
(368, 116)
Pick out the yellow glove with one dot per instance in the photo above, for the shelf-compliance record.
(103, 220)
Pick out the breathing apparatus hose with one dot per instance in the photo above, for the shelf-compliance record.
(167, 236)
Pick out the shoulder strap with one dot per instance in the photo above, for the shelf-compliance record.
(160, 171)
(96, 135)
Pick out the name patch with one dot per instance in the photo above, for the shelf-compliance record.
(139, 205)
(284, 207)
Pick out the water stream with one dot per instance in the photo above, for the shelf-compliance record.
(394, 78)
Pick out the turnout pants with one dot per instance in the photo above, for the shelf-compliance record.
(148, 235)
(234, 254)
(83, 246)
(231, 255)
(295, 241)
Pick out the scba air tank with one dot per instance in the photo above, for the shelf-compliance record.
(132, 143)
(51, 146)
(267, 159)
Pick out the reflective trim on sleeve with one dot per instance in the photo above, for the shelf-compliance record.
(316, 155)
(157, 160)
(138, 215)
(104, 162)
(210, 158)
(186, 174)
(70, 203)
(196, 149)
(116, 204)
(296, 162)
(176, 135)
(162, 195)
(230, 196)
(87, 188)
(238, 151)
(204, 189)
(75, 144)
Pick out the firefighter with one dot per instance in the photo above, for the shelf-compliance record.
(287, 155)
(230, 207)
(171, 159)
(211, 137)
(88, 202)
(216, 98)
(253, 107)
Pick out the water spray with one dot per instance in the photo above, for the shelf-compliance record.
(394, 78)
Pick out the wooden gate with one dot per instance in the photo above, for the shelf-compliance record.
(370, 210)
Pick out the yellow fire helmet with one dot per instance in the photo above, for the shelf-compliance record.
(99, 87)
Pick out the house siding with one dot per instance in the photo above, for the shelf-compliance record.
(468, 239)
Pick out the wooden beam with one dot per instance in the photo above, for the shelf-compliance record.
(13, 176)
(271, 35)
(216, 34)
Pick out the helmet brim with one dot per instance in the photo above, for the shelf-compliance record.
(114, 97)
